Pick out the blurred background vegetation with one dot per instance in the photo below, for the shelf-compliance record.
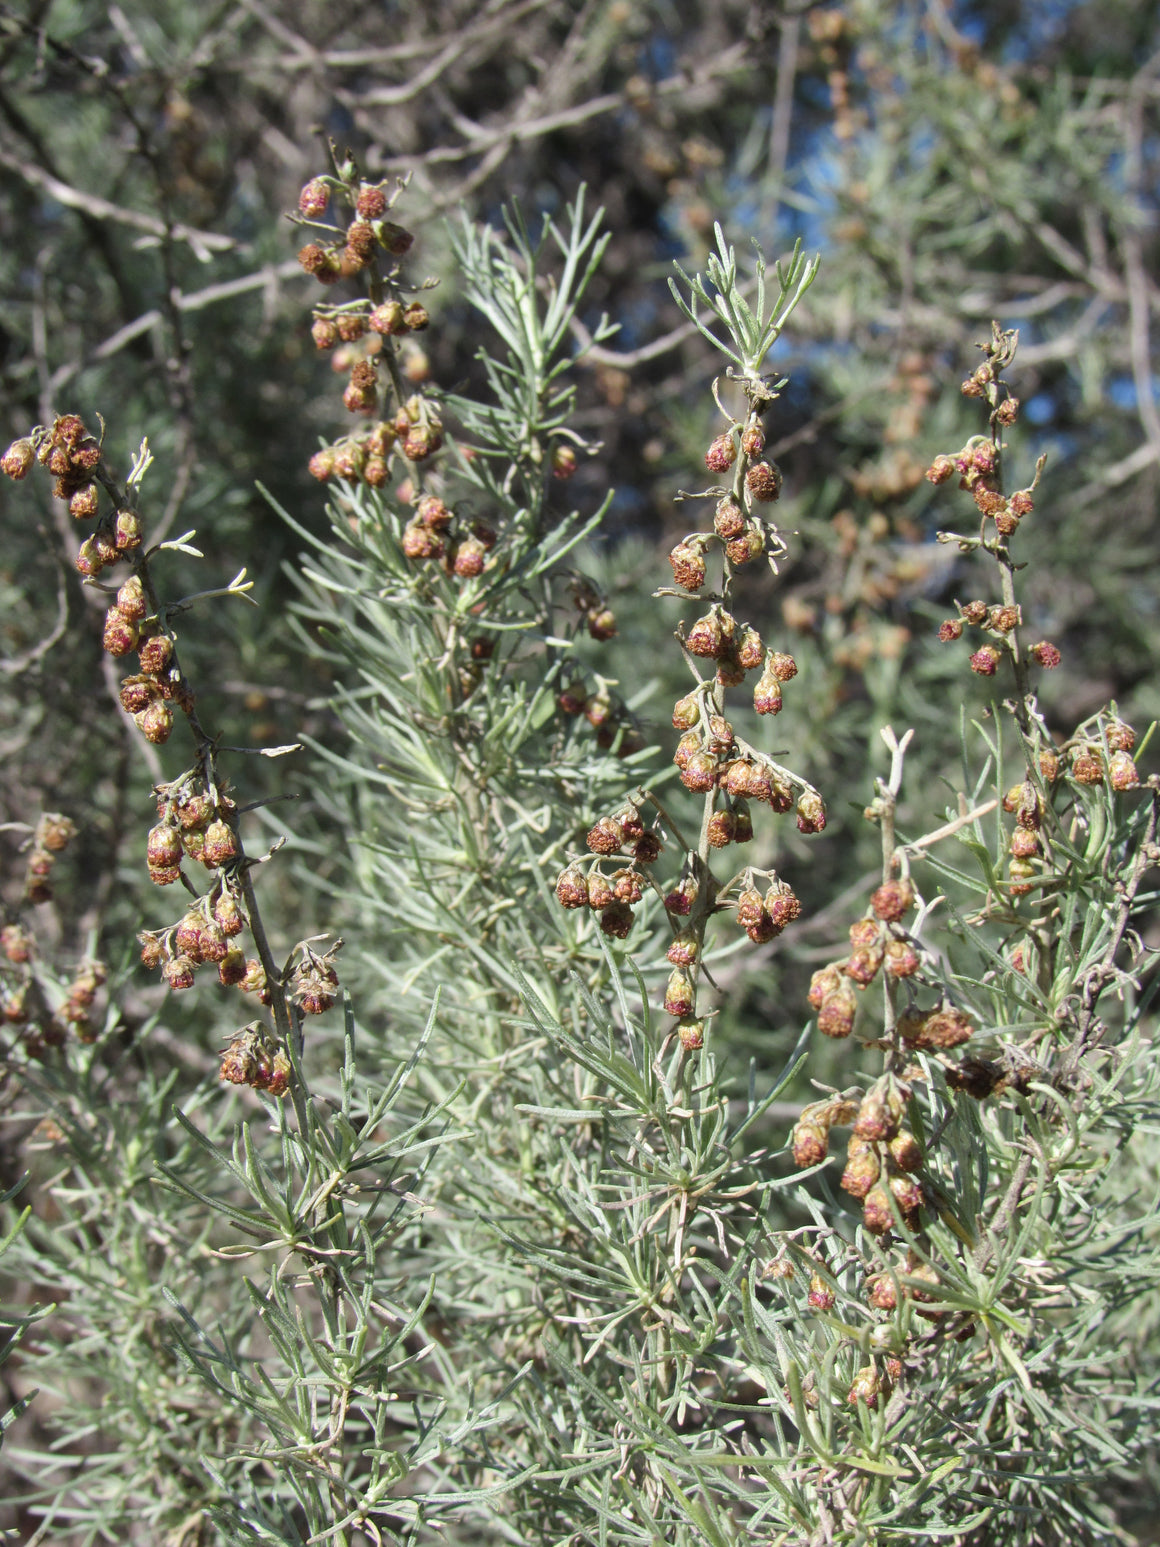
(953, 163)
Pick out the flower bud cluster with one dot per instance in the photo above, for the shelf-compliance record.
(314, 982)
(882, 1156)
(878, 943)
(53, 834)
(254, 1059)
(605, 711)
(613, 895)
(44, 1011)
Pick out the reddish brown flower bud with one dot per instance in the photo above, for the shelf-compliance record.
(572, 888)
(1021, 503)
(1007, 411)
(155, 654)
(836, 1016)
(371, 203)
(877, 1215)
(782, 904)
(626, 886)
(721, 829)
(602, 623)
(985, 662)
(686, 712)
(863, 965)
(415, 316)
(721, 454)
(178, 973)
(563, 462)
(691, 1035)
(314, 988)
(152, 951)
(18, 459)
(750, 649)
(470, 557)
(1024, 844)
(388, 320)
(944, 1028)
(940, 469)
(616, 920)
(681, 899)
(862, 1168)
(767, 694)
(705, 637)
(84, 503)
(763, 480)
(750, 907)
(1002, 619)
(753, 440)
(314, 198)
(975, 612)
(809, 1144)
(599, 890)
(1045, 654)
(120, 634)
(825, 981)
(893, 900)
(902, 959)
(1122, 772)
(880, 1110)
(1087, 765)
(700, 773)
(324, 332)
(1119, 736)
(164, 875)
(606, 837)
(865, 1388)
(320, 466)
(163, 846)
(128, 531)
(684, 950)
(811, 812)
(689, 743)
(16, 943)
(319, 263)
(688, 562)
(905, 1151)
(744, 549)
(220, 845)
(228, 916)
(232, 968)
(680, 999)
(254, 981)
(155, 722)
(882, 1293)
(648, 848)
(395, 239)
(950, 630)
(821, 1297)
(729, 519)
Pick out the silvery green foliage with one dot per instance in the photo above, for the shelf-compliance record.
(501, 1270)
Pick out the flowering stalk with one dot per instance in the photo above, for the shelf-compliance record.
(713, 759)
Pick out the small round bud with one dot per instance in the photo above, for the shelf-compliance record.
(763, 480)
(721, 454)
(178, 973)
(688, 562)
(905, 1151)
(721, 829)
(599, 888)
(616, 920)
(985, 662)
(1122, 772)
(811, 812)
(602, 623)
(1007, 411)
(324, 332)
(750, 650)
(163, 846)
(729, 520)
(120, 633)
(700, 773)
(705, 637)
(220, 845)
(821, 1297)
(877, 1215)
(809, 1144)
(862, 1168)
(782, 904)
(395, 239)
(232, 968)
(684, 950)
(680, 999)
(319, 263)
(940, 469)
(686, 713)
(893, 900)
(1002, 619)
(950, 630)
(563, 462)
(154, 654)
(16, 943)
(84, 503)
(744, 549)
(767, 697)
(865, 1388)
(371, 203)
(881, 1293)
(156, 722)
(1119, 736)
(572, 888)
(18, 459)
(1046, 655)
(902, 959)
(1087, 766)
(131, 601)
(128, 532)
(1021, 504)
(691, 1035)
(415, 316)
(607, 836)
(836, 1016)
(388, 320)
(314, 198)
(753, 440)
